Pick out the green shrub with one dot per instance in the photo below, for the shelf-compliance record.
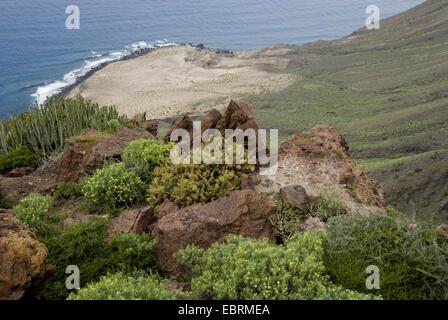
(186, 184)
(83, 245)
(132, 252)
(114, 125)
(288, 219)
(113, 187)
(3, 203)
(412, 257)
(124, 287)
(16, 158)
(242, 269)
(143, 156)
(34, 212)
(63, 190)
(328, 206)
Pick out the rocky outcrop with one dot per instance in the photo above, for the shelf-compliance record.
(319, 161)
(152, 126)
(311, 223)
(237, 116)
(138, 118)
(15, 188)
(23, 260)
(296, 196)
(89, 151)
(134, 220)
(210, 120)
(185, 123)
(244, 213)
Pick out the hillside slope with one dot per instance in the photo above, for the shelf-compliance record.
(387, 91)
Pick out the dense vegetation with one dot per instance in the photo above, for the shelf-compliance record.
(412, 257)
(84, 245)
(244, 269)
(124, 287)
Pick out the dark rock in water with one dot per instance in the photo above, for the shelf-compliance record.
(23, 260)
(243, 213)
(296, 196)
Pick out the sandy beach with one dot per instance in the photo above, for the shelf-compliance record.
(184, 80)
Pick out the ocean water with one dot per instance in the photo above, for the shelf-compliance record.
(39, 56)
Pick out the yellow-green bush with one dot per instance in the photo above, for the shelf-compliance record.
(412, 257)
(34, 212)
(113, 187)
(124, 287)
(242, 268)
(186, 184)
(142, 156)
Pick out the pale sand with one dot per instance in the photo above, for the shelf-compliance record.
(184, 79)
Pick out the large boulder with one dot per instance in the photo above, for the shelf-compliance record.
(185, 123)
(15, 188)
(210, 120)
(152, 126)
(296, 196)
(89, 150)
(319, 161)
(23, 260)
(133, 220)
(243, 213)
(237, 116)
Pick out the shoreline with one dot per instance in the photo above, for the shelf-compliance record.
(131, 56)
(181, 79)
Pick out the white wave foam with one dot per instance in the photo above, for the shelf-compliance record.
(96, 60)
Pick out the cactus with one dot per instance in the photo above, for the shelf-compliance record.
(45, 128)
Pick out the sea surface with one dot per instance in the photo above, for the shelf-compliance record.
(39, 56)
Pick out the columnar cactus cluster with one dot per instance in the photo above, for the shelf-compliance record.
(45, 128)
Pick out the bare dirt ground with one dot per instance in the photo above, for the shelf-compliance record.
(185, 79)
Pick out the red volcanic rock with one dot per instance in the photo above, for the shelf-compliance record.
(134, 220)
(237, 116)
(182, 123)
(210, 120)
(243, 213)
(89, 151)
